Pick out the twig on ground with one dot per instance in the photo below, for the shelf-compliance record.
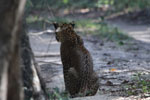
(48, 55)
(49, 62)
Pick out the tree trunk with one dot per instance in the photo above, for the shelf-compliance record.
(31, 80)
(10, 78)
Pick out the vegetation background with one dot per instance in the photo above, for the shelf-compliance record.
(90, 17)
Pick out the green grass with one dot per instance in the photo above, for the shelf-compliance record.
(36, 22)
(140, 85)
(103, 30)
(86, 26)
(60, 4)
(58, 95)
(117, 5)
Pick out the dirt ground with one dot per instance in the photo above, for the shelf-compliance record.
(115, 64)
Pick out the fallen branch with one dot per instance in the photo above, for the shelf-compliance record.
(49, 62)
(48, 55)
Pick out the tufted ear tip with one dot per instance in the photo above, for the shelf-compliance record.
(56, 25)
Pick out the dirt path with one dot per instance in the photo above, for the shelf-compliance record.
(115, 64)
(138, 32)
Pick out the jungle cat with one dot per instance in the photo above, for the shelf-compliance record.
(79, 76)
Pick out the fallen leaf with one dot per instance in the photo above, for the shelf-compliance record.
(113, 69)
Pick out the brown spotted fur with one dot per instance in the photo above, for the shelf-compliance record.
(79, 76)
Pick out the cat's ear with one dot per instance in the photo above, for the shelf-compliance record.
(72, 24)
(56, 25)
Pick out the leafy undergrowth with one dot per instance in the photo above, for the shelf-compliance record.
(58, 95)
(87, 26)
(140, 85)
(102, 30)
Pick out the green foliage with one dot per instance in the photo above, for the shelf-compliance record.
(57, 95)
(102, 30)
(75, 4)
(34, 22)
(140, 84)
(122, 4)
(31, 19)
(29, 6)
(65, 1)
(86, 26)
(111, 33)
(101, 3)
(59, 4)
